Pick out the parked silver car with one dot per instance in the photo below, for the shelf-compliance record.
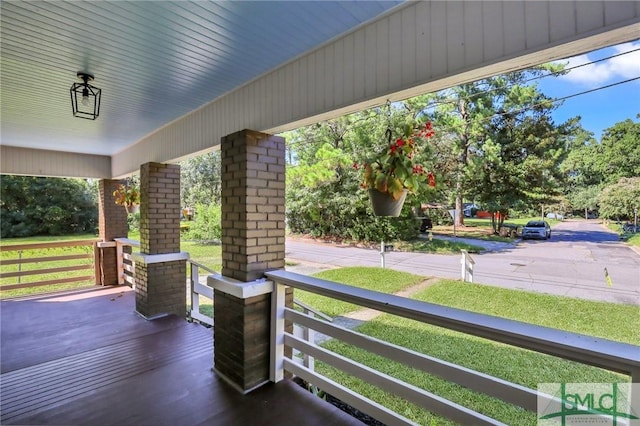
(539, 229)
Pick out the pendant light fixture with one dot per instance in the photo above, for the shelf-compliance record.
(85, 98)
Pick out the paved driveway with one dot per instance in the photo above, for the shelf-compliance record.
(571, 263)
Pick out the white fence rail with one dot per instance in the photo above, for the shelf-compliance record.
(610, 355)
(126, 265)
(197, 290)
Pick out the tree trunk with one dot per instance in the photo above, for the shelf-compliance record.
(459, 219)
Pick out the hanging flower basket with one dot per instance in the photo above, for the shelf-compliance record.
(394, 171)
(384, 204)
(128, 195)
(132, 208)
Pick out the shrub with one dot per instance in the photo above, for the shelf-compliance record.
(207, 225)
(345, 216)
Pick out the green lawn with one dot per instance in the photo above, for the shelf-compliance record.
(45, 252)
(436, 246)
(378, 279)
(629, 238)
(612, 321)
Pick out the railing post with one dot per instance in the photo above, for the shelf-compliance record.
(119, 263)
(19, 265)
(195, 297)
(634, 398)
(309, 335)
(466, 266)
(276, 369)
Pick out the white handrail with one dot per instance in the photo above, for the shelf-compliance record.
(614, 356)
(121, 256)
(198, 290)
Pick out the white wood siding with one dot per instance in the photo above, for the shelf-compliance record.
(418, 48)
(37, 162)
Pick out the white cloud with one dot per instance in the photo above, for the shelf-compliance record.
(615, 69)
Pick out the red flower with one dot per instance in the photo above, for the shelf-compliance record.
(399, 142)
(432, 180)
(356, 166)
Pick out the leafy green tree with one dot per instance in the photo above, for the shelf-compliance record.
(46, 206)
(200, 180)
(591, 165)
(501, 140)
(585, 198)
(620, 200)
(618, 154)
(207, 224)
(324, 197)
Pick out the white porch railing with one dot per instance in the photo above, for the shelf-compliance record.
(196, 290)
(125, 262)
(610, 355)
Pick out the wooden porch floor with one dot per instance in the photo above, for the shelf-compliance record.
(89, 359)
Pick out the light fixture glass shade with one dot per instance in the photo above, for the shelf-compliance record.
(85, 98)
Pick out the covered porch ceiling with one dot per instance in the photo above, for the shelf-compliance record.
(177, 76)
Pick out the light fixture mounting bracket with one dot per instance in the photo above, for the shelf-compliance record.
(86, 77)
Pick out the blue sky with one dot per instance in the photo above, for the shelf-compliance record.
(603, 108)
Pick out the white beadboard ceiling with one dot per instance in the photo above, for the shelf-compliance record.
(155, 61)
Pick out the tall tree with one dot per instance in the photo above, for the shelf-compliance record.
(621, 200)
(618, 154)
(46, 206)
(483, 112)
(200, 180)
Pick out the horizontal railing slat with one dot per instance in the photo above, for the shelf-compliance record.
(392, 385)
(475, 380)
(203, 290)
(615, 356)
(202, 318)
(45, 271)
(55, 244)
(48, 282)
(201, 266)
(46, 259)
(348, 396)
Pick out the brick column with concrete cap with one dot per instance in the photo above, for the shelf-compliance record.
(112, 223)
(253, 242)
(160, 266)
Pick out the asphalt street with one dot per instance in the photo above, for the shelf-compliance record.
(572, 263)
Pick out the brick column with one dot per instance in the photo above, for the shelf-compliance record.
(160, 266)
(253, 241)
(112, 223)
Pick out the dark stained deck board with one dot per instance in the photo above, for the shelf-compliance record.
(128, 371)
(57, 332)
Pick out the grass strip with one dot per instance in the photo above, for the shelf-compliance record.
(372, 278)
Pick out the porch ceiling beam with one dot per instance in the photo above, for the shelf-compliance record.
(37, 162)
